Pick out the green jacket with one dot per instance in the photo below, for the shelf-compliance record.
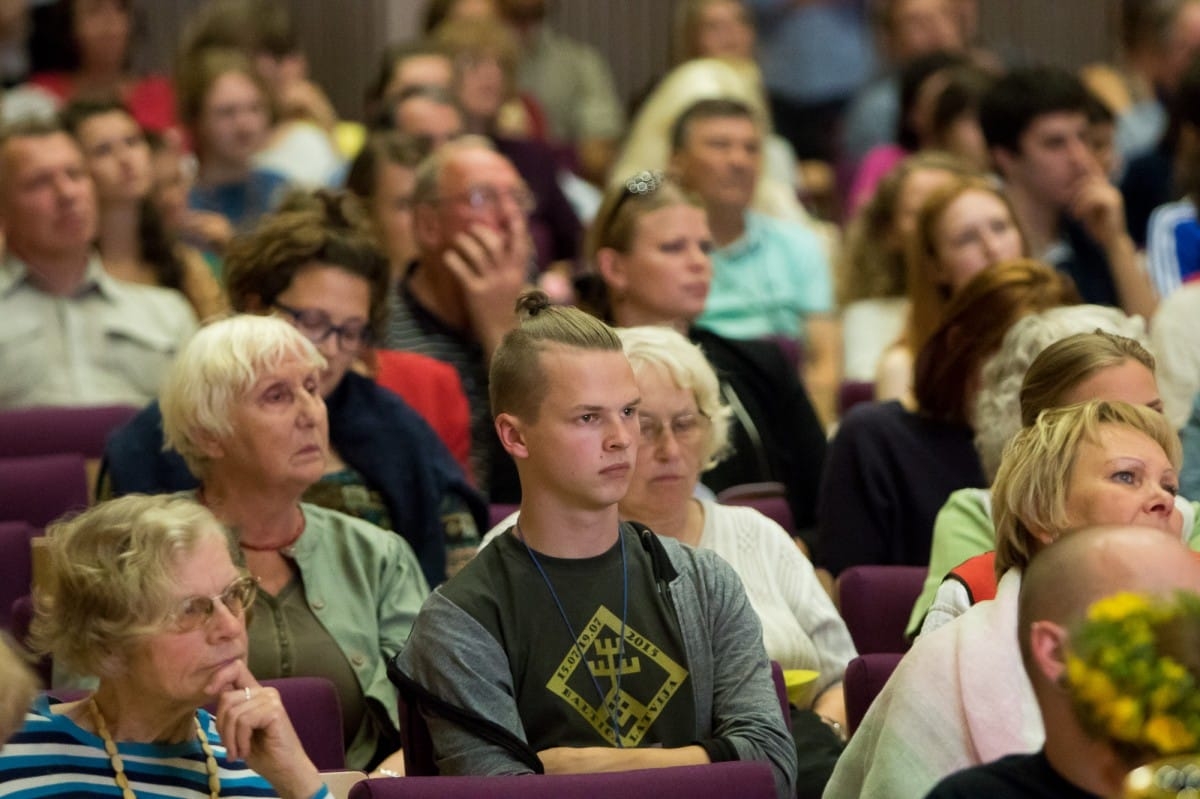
(365, 586)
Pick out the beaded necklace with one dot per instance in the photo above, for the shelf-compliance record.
(118, 765)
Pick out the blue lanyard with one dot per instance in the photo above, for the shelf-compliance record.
(611, 708)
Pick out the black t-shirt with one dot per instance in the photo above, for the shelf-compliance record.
(1015, 776)
(1087, 264)
(566, 680)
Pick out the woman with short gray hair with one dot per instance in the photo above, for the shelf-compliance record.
(242, 404)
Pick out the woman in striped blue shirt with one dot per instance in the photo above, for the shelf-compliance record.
(142, 592)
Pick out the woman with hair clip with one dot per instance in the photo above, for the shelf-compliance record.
(133, 241)
(890, 468)
(649, 249)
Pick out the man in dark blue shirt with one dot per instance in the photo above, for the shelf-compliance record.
(1036, 124)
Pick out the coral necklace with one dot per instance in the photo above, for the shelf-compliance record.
(118, 766)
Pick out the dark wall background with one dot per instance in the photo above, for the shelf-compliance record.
(344, 38)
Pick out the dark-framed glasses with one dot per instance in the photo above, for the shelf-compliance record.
(489, 198)
(686, 428)
(316, 326)
(196, 611)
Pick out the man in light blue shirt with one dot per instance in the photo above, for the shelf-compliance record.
(771, 277)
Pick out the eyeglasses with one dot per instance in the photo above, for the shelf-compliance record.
(197, 611)
(488, 198)
(316, 326)
(686, 428)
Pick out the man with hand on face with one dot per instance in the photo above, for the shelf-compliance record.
(576, 643)
(69, 333)
(1036, 125)
(470, 211)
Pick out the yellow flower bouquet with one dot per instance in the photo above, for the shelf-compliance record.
(1133, 672)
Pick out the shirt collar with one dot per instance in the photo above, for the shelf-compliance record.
(750, 240)
(14, 273)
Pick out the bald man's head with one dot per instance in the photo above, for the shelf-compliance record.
(1078, 569)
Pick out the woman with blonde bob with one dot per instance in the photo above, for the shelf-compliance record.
(960, 697)
(1034, 504)
(243, 406)
(143, 593)
(650, 248)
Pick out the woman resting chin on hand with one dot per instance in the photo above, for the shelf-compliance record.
(142, 592)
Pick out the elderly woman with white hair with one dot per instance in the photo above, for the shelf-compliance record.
(685, 432)
(142, 592)
(337, 596)
(1055, 358)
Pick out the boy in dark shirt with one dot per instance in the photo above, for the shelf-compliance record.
(588, 644)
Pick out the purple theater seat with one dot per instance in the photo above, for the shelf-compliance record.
(853, 392)
(16, 566)
(875, 602)
(499, 511)
(745, 779)
(792, 350)
(768, 498)
(38, 489)
(46, 431)
(316, 712)
(864, 679)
